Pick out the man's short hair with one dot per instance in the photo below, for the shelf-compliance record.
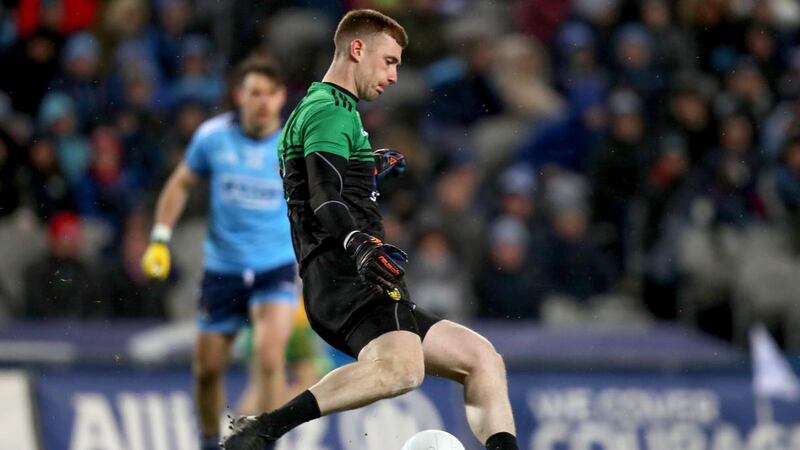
(360, 23)
(259, 65)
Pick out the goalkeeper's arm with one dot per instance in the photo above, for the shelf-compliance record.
(171, 202)
(374, 259)
(325, 172)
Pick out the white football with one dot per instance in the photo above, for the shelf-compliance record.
(433, 440)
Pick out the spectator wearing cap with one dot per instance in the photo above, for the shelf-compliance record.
(80, 78)
(616, 169)
(196, 80)
(61, 285)
(517, 186)
(576, 58)
(517, 198)
(509, 285)
(58, 118)
(634, 61)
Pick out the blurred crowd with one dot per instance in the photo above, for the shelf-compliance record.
(570, 162)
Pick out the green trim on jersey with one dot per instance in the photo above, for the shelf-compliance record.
(325, 120)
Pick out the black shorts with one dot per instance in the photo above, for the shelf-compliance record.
(345, 312)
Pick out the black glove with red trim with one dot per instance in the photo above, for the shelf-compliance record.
(377, 263)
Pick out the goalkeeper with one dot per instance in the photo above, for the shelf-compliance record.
(250, 273)
(353, 286)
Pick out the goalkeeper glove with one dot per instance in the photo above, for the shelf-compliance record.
(388, 162)
(377, 263)
(156, 260)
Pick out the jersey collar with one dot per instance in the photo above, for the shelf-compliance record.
(343, 90)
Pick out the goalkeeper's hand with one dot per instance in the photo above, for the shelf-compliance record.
(156, 261)
(377, 263)
(388, 163)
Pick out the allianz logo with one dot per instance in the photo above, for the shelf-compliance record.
(166, 421)
(145, 421)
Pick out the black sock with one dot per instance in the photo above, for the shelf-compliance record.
(502, 441)
(299, 410)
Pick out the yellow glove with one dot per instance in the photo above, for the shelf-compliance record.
(156, 260)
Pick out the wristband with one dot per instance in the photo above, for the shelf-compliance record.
(161, 233)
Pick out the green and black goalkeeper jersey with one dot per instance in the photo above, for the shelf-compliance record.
(326, 120)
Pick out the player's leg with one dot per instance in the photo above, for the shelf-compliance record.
(210, 359)
(272, 326)
(460, 354)
(223, 311)
(273, 300)
(307, 357)
(390, 365)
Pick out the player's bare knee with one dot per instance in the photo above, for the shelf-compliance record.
(399, 376)
(494, 361)
(485, 357)
(207, 370)
(269, 358)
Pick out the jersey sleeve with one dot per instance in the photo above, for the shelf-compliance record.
(329, 130)
(197, 154)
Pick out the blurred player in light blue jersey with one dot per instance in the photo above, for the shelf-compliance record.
(250, 271)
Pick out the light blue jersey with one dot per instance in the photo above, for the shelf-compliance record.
(248, 227)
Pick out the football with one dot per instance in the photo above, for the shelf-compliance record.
(433, 440)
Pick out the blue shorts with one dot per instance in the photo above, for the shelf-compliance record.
(226, 299)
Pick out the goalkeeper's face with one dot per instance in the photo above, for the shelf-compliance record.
(377, 69)
(260, 101)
